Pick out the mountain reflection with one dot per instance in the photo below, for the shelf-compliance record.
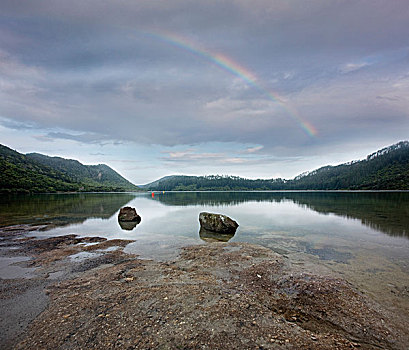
(387, 212)
(60, 209)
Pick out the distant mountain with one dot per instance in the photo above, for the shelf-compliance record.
(39, 173)
(386, 169)
(155, 183)
(212, 183)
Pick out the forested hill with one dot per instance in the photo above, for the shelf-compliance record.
(39, 173)
(386, 169)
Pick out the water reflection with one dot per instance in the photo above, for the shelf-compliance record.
(387, 212)
(127, 225)
(60, 209)
(210, 236)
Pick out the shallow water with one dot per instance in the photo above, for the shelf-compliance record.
(359, 235)
(9, 268)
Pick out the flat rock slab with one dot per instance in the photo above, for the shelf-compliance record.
(48, 260)
(214, 296)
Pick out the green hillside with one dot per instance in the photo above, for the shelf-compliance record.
(39, 173)
(386, 169)
(214, 183)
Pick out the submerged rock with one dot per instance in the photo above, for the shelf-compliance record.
(128, 214)
(217, 223)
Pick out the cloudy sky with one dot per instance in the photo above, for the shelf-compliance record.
(260, 89)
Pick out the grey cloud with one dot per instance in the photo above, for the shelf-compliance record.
(351, 67)
(193, 157)
(388, 98)
(89, 68)
(84, 138)
(16, 125)
(270, 29)
(43, 138)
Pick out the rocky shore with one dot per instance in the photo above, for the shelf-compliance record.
(86, 293)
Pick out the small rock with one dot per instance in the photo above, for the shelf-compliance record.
(128, 214)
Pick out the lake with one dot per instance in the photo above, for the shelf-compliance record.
(361, 236)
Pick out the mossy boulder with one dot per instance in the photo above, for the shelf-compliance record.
(217, 223)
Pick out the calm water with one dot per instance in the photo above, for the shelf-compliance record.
(362, 236)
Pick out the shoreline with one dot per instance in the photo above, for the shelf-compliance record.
(87, 292)
(12, 193)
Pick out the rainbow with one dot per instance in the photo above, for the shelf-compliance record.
(236, 69)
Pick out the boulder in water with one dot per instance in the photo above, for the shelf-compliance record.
(128, 214)
(217, 223)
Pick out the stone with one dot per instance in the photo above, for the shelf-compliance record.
(128, 214)
(217, 223)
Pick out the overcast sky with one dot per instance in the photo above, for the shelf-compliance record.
(260, 89)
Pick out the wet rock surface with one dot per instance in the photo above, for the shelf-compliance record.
(23, 299)
(217, 223)
(128, 214)
(213, 296)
